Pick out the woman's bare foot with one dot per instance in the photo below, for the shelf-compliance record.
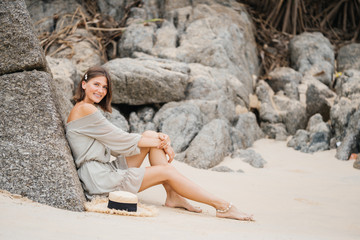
(176, 201)
(234, 213)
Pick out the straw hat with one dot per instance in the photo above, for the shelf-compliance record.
(121, 200)
(121, 203)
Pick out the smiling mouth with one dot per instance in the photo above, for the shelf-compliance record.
(97, 95)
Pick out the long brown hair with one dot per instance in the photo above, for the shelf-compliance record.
(93, 72)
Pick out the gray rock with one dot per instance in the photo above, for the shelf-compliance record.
(209, 83)
(250, 156)
(181, 121)
(113, 9)
(166, 37)
(147, 80)
(275, 130)
(267, 109)
(221, 108)
(319, 134)
(214, 36)
(246, 131)
(348, 57)
(19, 49)
(222, 169)
(316, 102)
(315, 138)
(64, 74)
(210, 145)
(292, 112)
(351, 141)
(285, 79)
(313, 53)
(344, 109)
(82, 52)
(117, 119)
(340, 115)
(300, 140)
(45, 10)
(137, 38)
(357, 162)
(141, 120)
(348, 84)
(36, 160)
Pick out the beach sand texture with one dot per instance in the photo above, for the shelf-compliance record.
(295, 196)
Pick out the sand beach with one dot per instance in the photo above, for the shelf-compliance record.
(295, 196)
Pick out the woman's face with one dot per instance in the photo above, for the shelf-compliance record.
(95, 89)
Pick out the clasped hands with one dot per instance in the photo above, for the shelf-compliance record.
(165, 145)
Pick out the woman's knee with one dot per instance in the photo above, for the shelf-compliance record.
(150, 133)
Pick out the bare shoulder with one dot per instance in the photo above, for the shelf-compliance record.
(81, 110)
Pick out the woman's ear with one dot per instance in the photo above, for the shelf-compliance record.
(83, 85)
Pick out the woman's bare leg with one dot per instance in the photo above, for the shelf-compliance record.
(183, 186)
(158, 157)
(173, 199)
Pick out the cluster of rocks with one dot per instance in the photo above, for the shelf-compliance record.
(199, 68)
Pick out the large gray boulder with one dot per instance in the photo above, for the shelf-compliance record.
(216, 36)
(147, 80)
(181, 121)
(313, 54)
(349, 57)
(19, 48)
(36, 160)
(210, 146)
(210, 83)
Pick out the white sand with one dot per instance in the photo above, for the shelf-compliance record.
(296, 196)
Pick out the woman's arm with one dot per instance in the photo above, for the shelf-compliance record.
(158, 140)
(154, 139)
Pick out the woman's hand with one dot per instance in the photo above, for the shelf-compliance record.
(165, 140)
(170, 152)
